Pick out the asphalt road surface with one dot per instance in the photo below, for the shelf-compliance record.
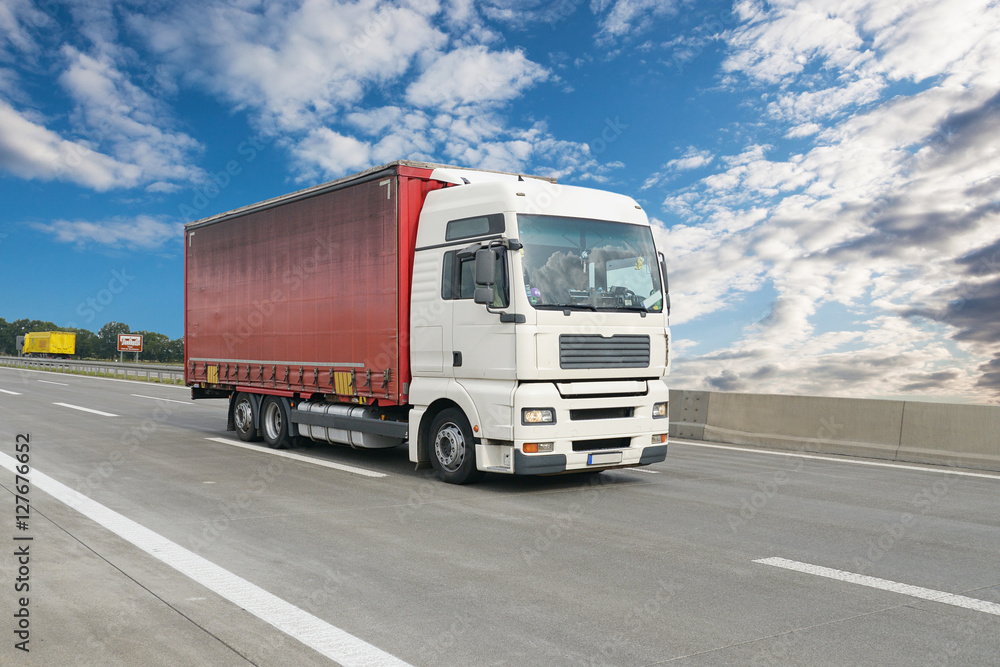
(152, 538)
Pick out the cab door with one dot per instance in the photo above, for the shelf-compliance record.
(483, 354)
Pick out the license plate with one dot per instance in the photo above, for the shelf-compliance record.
(604, 458)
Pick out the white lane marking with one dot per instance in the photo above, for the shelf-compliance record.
(885, 585)
(157, 398)
(334, 643)
(648, 472)
(77, 407)
(299, 457)
(844, 459)
(12, 393)
(61, 384)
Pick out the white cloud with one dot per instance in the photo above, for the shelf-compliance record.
(18, 19)
(773, 46)
(333, 153)
(626, 17)
(877, 216)
(474, 76)
(114, 112)
(802, 107)
(141, 232)
(692, 159)
(349, 84)
(29, 150)
(297, 64)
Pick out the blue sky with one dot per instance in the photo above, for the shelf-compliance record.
(824, 176)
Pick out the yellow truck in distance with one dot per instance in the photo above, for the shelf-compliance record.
(49, 344)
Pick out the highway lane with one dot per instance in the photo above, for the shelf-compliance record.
(624, 568)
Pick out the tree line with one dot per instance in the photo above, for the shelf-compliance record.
(102, 345)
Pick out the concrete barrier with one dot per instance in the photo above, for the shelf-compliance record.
(960, 435)
(939, 433)
(688, 412)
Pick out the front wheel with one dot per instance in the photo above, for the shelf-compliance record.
(274, 423)
(452, 448)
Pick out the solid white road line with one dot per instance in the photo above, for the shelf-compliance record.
(886, 585)
(157, 398)
(842, 459)
(61, 384)
(12, 393)
(299, 457)
(77, 407)
(330, 641)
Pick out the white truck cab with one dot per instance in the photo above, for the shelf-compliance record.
(538, 330)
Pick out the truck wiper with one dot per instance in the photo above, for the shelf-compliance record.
(565, 306)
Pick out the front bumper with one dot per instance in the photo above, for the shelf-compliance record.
(553, 464)
(598, 425)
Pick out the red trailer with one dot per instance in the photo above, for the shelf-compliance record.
(307, 293)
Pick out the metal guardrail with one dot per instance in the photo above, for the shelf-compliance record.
(149, 372)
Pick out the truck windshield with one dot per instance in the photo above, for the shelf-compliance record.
(588, 264)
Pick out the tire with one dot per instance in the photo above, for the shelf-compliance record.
(452, 448)
(244, 417)
(274, 423)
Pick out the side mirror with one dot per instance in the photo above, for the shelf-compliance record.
(484, 295)
(486, 269)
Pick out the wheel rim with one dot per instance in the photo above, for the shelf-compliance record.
(244, 416)
(449, 447)
(272, 421)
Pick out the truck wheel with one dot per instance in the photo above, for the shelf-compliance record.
(243, 417)
(274, 423)
(452, 448)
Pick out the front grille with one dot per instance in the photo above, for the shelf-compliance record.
(601, 413)
(596, 351)
(601, 443)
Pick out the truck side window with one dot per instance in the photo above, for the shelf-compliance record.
(467, 228)
(458, 282)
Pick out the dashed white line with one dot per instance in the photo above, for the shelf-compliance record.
(12, 393)
(77, 407)
(885, 585)
(843, 459)
(61, 384)
(157, 398)
(332, 642)
(299, 457)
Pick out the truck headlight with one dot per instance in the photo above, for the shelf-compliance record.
(538, 416)
(659, 410)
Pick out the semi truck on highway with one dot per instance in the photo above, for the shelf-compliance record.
(56, 344)
(494, 322)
